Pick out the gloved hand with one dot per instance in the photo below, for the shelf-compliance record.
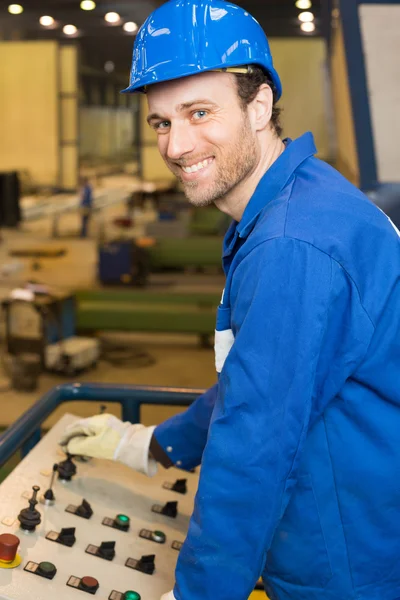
(105, 436)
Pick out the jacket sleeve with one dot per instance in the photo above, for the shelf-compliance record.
(183, 437)
(288, 300)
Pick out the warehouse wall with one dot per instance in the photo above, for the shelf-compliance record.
(38, 111)
(302, 67)
(105, 131)
(346, 159)
(29, 110)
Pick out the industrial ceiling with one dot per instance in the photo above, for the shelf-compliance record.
(102, 42)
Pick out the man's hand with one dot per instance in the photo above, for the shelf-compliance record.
(105, 436)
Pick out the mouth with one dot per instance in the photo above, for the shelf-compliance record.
(196, 170)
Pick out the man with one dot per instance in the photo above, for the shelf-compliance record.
(299, 439)
(86, 203)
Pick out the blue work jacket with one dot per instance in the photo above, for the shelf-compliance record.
(299, 440)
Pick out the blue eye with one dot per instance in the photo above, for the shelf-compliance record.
(200, 113)
(162, 125)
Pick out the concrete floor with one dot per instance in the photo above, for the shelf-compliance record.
(177, 360)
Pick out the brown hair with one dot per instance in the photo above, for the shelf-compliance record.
(248, 85)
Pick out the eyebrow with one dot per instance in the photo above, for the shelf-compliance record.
(182, 107)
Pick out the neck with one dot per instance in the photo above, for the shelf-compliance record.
(235, 202)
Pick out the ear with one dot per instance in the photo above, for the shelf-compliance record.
(261, 108)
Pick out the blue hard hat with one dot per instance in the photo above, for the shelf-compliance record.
(186, 37)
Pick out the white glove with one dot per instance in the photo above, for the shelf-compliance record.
(105, 436)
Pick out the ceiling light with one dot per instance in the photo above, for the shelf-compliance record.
(109, 66)
(303, 4)
(307, 27)
(88, 5)
(15, 9)
(306, 17)
(46, 21)
(70, 30)
(112, 17)
(130, 27)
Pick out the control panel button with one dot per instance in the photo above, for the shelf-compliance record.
(84, 510)
(8, 547)
(106, 550)
(179, 486)
(128, 595)
(66, 537)
(86, 584)
(169, 510)
(154, 536)
(89, 584)
(121, 522)
(43, 569)
(146, 564)
(46, 569)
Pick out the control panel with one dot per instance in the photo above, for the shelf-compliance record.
(71, 528)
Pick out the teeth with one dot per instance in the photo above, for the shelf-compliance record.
(198, 167)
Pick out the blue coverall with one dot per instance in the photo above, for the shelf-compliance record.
(299, 440)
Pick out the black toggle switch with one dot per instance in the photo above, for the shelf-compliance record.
(84, 510)
(146, 564)
(180, 486)
(30, 518)
(106, 550)
(66, 537)
(170, 510)
(66, 469)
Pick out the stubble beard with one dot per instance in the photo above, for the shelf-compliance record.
(238, 161)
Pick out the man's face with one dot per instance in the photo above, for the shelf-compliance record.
(204, 135)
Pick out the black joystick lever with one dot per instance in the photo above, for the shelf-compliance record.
(66, 469)
(170, 509)
(30, 518)
(48, 497)
(146, 564)
(84, 510)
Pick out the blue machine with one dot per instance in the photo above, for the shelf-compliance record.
(123, 262)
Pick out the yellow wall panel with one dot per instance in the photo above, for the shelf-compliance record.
(29, 109)
(68, 70)
(347, 159)
(301, 64)
(69, 162)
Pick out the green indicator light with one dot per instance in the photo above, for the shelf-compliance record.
(46, 566)
(122, 518)
(158, 536)
(129, 595)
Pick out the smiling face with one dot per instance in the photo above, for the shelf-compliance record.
(204, 134)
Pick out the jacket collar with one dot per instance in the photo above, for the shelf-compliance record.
(270, 185)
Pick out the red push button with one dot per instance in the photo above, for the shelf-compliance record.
(8, 547)
(89, 584)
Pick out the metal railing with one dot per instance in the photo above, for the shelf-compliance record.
(26, 431)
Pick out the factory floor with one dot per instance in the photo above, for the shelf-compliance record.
(151, 359)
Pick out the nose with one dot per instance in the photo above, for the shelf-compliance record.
(180, 140)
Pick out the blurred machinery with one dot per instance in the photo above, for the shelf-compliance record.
(40, 334)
